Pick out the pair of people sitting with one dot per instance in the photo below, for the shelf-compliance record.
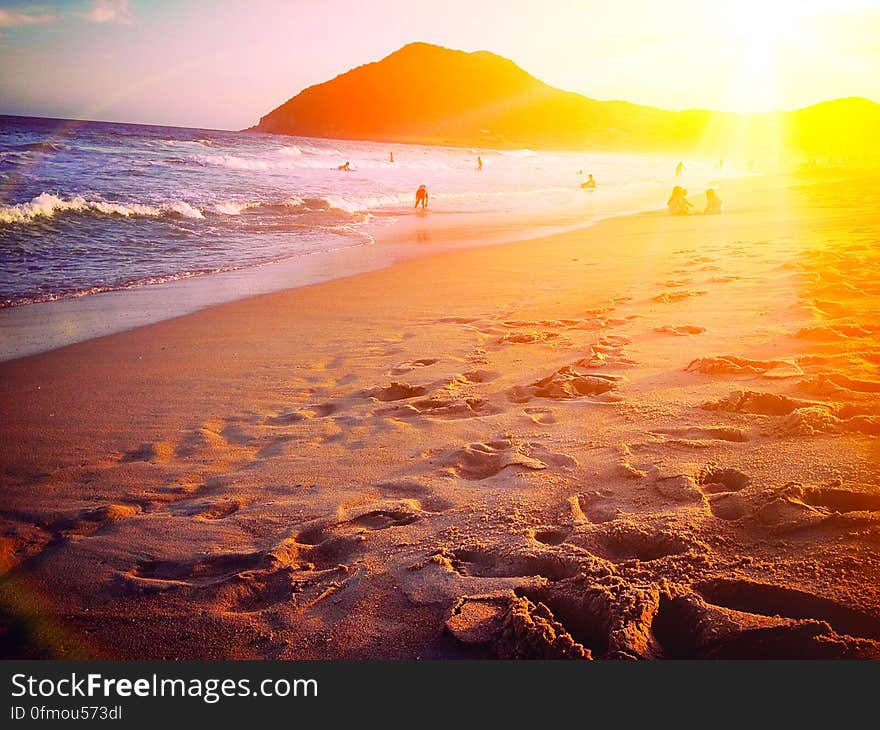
(678, 204)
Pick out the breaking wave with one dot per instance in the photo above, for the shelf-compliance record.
(47, 205)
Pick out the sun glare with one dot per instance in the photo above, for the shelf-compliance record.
(757, 32)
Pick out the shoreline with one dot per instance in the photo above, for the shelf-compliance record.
(33, 328)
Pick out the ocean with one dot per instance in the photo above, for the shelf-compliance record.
(90, 207)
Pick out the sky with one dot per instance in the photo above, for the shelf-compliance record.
(224, 63)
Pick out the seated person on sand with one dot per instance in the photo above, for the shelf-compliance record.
(422, 197)
(346, 167)
(589, 183)
(713, 202)
(678, 203)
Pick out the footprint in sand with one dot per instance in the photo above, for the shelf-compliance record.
(441, 407)
(420, 495)
(767, 599)
(833, 332)
(479, 461)
(621, 540)
(733, 619)
(677, 296)
(607, 352)
(203, 440)
(218, 511)
(567, 383)
(802, 417)
(91, 520)
(395, 391)
(680, 330)
(714, 479)
(838, 499)
(377, 516)
(595, 506)
(533, 338)
(411, 365)
(799, 508)
(839, 385)
(705, 433)
(156, 452)
(541, 416)
(732, 365)
(767, 404)
(199, 572)
(504, 562)
(472, 377)
(550, 535)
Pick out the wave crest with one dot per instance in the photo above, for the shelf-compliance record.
(47, 205)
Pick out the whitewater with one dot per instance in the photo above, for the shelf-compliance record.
(90, 207)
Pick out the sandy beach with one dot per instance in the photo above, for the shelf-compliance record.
(656, 437)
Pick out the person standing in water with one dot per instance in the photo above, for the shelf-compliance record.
(391, 157)
(479, 163)
(422, 197)
(678, 168)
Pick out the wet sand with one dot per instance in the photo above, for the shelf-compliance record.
(655, 437)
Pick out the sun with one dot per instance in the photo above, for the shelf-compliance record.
(757, 32)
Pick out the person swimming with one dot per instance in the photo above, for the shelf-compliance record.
(713, 202)
(422, 197)
(678, 204)
(589, 183)
(346, 167)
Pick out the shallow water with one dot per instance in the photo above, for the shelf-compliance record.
(87, 207)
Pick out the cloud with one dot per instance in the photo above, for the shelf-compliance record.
(109, 11)
(15, 17)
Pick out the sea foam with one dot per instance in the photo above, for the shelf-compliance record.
(47, 205)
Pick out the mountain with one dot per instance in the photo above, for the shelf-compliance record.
(426, 93)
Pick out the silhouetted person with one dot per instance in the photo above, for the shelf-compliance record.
(346, 167)
(391, 157)
(713, 202)
(678, 203)
(678, 168)
(422, 197)
(479, 163)
(589, 183)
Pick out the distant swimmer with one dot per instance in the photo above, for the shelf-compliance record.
(479, 163)
(589, 183)
(713, 202)
(422, 197)
(678, 204)
(580, 172)
(346, 167)
(391, 157)
(678, 168)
